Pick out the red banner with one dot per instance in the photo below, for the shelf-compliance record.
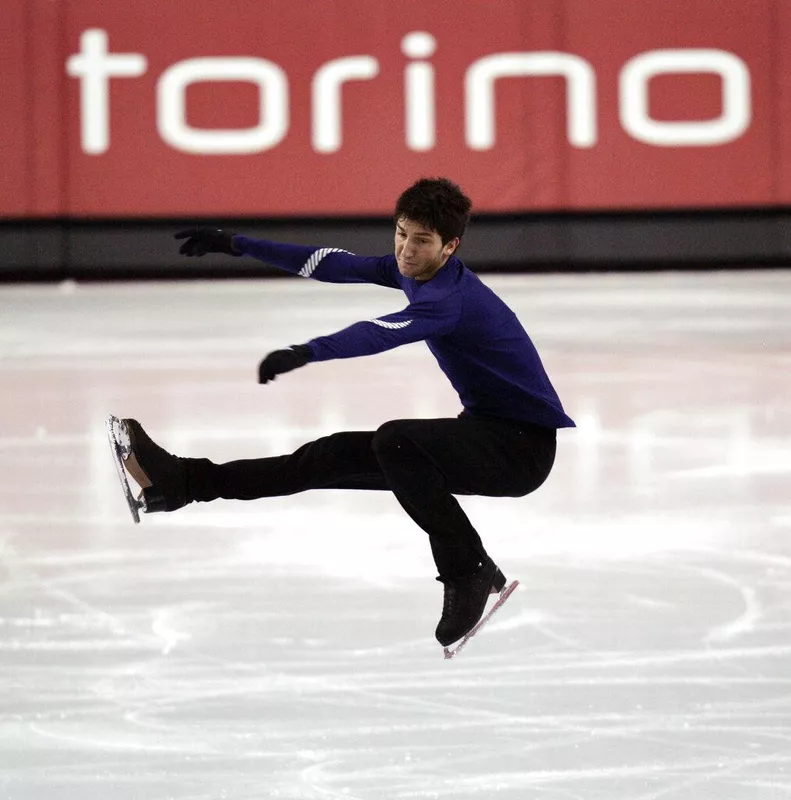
(281, 108)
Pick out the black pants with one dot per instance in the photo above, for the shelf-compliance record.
(424, 462)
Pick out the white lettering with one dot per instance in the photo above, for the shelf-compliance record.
(634, 98)
(419, 113)
(326, 97)
(94, 65)
(273, 122)
(580, 95)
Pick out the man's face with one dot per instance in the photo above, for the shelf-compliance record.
(419, 251)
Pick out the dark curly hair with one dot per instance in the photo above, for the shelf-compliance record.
(438, 204)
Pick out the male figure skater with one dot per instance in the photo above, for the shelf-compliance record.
(502, 444)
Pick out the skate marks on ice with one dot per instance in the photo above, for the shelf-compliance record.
(238, 651)
(260, 682)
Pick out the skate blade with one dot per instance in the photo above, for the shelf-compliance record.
(453, 650)
(121, 449)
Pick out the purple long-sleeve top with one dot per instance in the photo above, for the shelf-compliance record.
(476, 338)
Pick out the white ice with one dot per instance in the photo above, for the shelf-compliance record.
(284, 648)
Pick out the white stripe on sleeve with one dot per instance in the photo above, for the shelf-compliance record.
(393, 326)
(315, 259)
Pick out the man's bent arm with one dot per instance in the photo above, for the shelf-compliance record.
(415, 323)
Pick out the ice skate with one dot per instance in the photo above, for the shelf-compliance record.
(465, 603)
(507, 591)
(162, 477)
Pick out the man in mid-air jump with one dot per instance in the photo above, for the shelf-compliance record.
(502, 444)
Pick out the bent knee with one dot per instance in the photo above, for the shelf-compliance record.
(390, 436)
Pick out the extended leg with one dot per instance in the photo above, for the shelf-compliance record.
(340, 461)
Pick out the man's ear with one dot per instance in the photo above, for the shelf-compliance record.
(450, 247)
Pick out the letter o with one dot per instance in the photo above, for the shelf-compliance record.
(634, 97)
(273, 122)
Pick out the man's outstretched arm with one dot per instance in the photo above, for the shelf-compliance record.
(328, 264)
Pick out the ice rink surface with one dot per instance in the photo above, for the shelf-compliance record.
(284, 648)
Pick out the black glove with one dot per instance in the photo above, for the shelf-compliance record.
(281, 361)
(206, 240)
